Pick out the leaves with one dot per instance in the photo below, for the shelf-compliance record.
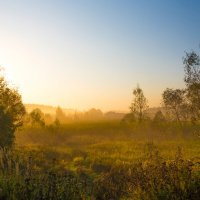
(12, 111)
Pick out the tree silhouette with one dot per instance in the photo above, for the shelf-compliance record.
(37, 118)
(192, 80)
(12, 111)
(139, 104)
(174, 101)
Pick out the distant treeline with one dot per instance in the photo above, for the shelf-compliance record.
(38, 117)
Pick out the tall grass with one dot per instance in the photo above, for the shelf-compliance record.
(106, 160)
(151, 177)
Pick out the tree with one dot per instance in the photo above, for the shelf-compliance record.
(174, 101)
(60, 115)
(192, 80)
(129, 118)
(94, 114)
(192, 68)
(37, 117)
(159, 117)
(139, 104)
(12, 111)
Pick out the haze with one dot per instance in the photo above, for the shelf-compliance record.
(83, 54)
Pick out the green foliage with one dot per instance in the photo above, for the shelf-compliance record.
(105, 160)
(153, 178)
(174, 101)
(22, 178)
(11, 113)
(150, 177)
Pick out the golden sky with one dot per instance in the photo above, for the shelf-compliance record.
(83, 55)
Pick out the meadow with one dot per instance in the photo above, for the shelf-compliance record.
(99, 100)
(102, 160)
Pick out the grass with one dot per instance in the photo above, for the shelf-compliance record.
(101, 160)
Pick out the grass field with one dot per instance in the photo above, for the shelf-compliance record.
(102, 160)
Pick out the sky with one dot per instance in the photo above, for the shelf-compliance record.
(84, 54)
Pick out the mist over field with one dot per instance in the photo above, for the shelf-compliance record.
(99, 100)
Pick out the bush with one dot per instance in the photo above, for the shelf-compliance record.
(151, 179)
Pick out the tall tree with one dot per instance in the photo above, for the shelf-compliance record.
(174, 101)
(192, 80)
(12, 111)
(192, 68)
(139, 104)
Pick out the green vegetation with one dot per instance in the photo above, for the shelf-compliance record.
(11, 113)
(102, 160)
(109, 160)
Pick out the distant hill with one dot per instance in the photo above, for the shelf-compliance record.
(47, 109)
(114, 115)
